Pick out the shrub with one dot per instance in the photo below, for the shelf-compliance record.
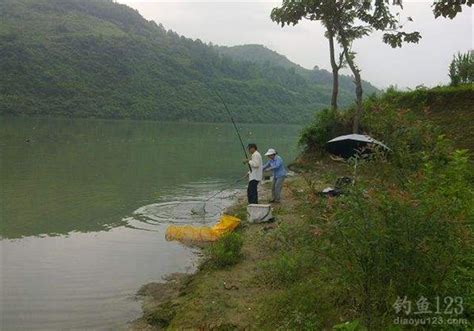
(461, 69)
(386, 242)
(411, 139)
(226, 251)
(403, 229)
(440, 98)
(327, 124)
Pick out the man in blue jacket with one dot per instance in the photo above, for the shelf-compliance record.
(275, 163)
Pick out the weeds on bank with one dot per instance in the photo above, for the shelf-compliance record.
(386, 244)
(162, 315)
(403, 230)
(226, 251)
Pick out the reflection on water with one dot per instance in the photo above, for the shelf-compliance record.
(62, 175)
(86, 203)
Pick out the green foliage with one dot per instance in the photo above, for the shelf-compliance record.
(441, 98)
(397, 39)
(162, 315)
(422, 113)
(286, 268)
(326, 125)
(268, 58)
(350, 326)
(84, 58)
(450, 9)
(387, 243)
(226, 251)
(404, 229)
(400, 119)
(347, 21)
(304, 305)
(461, 69)
(408, 138)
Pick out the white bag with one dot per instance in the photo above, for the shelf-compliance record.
(259, 213)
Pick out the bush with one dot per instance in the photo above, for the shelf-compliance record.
(409, 139)
(461, 69)
(327, 124)
(440, 98)
(404, 229)
(226, 251)
(387, 243)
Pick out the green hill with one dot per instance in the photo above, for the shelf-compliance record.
(266, 57)
(101, 59)
(451, 108)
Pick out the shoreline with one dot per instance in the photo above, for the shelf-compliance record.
(233, 297)
(160, 300)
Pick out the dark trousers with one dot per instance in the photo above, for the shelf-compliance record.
(252, 193)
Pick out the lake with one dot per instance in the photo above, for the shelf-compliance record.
(85, 204)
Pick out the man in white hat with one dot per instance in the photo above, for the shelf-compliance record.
(275, 163)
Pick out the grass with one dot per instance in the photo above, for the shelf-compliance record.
(226, 251)
(404, 228)
(283, 280)
(228, 297)
(450, 108)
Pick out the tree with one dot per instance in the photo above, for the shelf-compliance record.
(357, 19)
(291, 12)
(450, 8)
(346, 21)
(348, 31)
(461, 69)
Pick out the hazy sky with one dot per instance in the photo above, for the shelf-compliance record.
(247, 22)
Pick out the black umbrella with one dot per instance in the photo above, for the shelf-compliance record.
(352, 144)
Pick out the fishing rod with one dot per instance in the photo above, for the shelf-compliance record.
(233, 122)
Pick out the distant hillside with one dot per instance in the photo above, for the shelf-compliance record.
(102, 59)
(257, 54)
(264, 56)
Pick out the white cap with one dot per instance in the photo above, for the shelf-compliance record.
(271, 151)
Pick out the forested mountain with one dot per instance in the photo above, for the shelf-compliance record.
(264, 56)
(103, 59)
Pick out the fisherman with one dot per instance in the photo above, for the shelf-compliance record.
(275, 163)
(255, 173)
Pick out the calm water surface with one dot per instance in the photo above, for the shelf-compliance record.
(85, 204)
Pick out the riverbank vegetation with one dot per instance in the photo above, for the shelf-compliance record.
(397, 244)
(461, 69)
(345, 22)
(101, 59)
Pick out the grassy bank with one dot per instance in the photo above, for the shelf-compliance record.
(400, 237)
(232, 297)
(448, 107)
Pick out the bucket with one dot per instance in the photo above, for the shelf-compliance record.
(259, 213)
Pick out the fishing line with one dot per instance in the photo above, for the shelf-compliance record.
(201, 209)
(232, 120)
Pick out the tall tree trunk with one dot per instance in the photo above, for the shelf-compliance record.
(335, 71)
(358, 84)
